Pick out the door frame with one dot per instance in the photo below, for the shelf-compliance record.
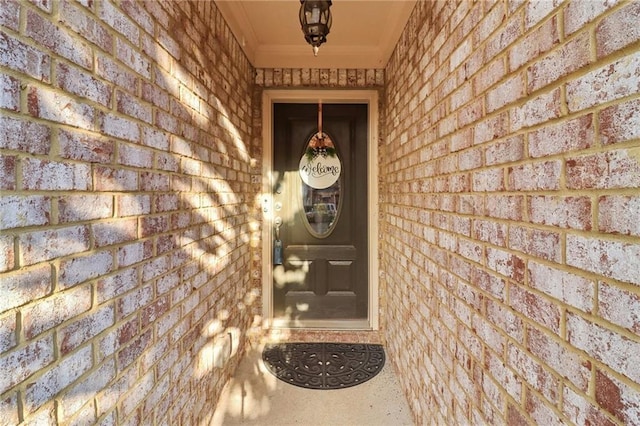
(369, 97)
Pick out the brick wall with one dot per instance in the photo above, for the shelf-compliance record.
(126, 210)
(510, 172)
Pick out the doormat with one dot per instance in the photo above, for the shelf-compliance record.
(323, 365)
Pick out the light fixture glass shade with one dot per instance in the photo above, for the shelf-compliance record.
(315, 20)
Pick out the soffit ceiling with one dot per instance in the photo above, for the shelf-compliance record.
(363, 35)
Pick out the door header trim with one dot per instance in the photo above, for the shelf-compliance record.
(313, 96)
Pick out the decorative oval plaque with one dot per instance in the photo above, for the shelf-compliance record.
(320, 166)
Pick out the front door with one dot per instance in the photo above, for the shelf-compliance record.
(320, 247)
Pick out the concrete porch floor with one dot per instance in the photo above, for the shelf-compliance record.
(255, 397)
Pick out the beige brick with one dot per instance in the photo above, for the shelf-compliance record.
(607, 258)
(81, 83)
(537, 308)
(22, 57)
(620, 353)
(539, 176)
(23, 135)
(7, 172)
(560, 62)
(610, 169)
(9, 408)
(619, 306)
(26, 361)
(576, 134)
(616, 397)
(536, 110)
(564, 286)
(618, 214)
(86, 25)
(534, 44)
(577, 406)
(57, 378)
(505, 93)
(8, 337)
(10, 14)
(40, 246)
(533, 373)
(85, 147)
(10, 94)
(563, 212)
(608, 83)
(577, 14)
(19, 212)
(56, 309)
(618, 30)
(56, 107)
(620, 122)
(540, 243)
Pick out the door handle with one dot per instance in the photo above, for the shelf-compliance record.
(278, 223)
(277, 244)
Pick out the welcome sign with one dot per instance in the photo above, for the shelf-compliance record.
(320, 166)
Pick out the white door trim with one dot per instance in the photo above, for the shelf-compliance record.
(269, 97)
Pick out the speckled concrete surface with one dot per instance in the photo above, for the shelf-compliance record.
(255, 397)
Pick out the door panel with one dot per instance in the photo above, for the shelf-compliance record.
(324, 270)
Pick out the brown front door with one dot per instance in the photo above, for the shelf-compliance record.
(323, 270)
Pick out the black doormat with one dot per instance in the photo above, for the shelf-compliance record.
(323, 365)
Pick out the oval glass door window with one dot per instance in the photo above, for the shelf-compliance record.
(320, 170)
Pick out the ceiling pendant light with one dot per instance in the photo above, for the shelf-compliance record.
(315, 19)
